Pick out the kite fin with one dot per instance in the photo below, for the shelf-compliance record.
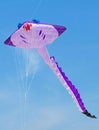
(89, 115)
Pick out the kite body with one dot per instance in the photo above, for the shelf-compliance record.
(37, 35)
(33, 35)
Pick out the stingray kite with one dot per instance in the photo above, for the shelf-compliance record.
(33, 34)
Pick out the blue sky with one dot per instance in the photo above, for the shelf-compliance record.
(47, 105)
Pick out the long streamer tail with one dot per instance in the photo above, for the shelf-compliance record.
(69, 86)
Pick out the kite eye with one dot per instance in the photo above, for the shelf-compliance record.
(19, 25)
(36, 21)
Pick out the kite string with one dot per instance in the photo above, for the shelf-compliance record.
(29, 86)
(26, 72)
(18, 64)
(37, 8)
(20, 68)
(28, 80)
(22, 62)
(22, 75)
(20, 82)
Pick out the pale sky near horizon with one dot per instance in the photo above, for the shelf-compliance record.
(47, 105)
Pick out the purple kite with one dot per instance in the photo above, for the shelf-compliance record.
(33, 34)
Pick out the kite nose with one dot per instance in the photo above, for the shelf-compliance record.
(9, 42)
(60, 29)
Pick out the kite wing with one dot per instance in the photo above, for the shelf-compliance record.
(38, 35)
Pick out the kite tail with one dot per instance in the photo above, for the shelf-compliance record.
(69, 86)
